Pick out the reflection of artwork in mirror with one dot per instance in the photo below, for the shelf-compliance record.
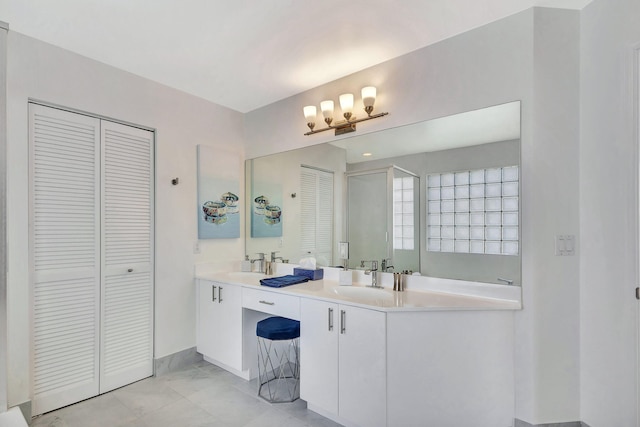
(218, 208)
(266, 215)
(473, 211)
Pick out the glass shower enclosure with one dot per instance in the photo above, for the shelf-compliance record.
(383, 217)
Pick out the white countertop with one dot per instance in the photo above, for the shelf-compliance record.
(386, 299)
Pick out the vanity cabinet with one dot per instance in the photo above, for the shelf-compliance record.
(343, 361)
(219, 330)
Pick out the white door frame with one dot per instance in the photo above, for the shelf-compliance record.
(635, 77)
(4, 29)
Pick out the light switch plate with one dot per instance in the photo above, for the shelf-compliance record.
(565, 245)
(343, 250)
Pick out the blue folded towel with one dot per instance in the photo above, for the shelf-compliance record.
(279, 282)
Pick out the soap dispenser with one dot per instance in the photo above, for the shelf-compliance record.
(345, 276)
(246, 264)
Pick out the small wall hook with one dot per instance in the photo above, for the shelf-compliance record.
(175, 181)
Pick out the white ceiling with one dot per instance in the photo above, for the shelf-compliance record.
(490, 124)
(245, 54)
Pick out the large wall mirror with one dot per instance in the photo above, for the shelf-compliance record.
(439, 197)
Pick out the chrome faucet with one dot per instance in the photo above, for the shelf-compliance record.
(274, 257)
(373, 271)
(260, 261)
(385, 266)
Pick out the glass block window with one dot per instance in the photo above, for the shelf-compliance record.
(403, 213)
(473, 211)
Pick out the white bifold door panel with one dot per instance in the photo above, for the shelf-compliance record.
(65, 257)
(127, 247)
(91, 256)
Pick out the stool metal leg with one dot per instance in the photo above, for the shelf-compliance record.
(278, 370)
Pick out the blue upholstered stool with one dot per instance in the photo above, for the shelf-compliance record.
(278, 359)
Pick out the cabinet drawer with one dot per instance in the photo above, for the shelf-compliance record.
(272, 303)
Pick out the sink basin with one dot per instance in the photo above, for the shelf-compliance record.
(246, 275)
(365, 294)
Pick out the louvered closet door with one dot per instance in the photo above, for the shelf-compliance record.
(316, 206)
(64, 256)
(308, 210)
(324, 241)
(127, 265)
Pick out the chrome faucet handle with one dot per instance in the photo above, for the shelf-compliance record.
(274, 257)
(374, 266)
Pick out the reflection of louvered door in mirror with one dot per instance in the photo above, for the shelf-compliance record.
(92, 317)
(316, 214)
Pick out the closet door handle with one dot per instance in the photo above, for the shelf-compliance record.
(343, 323)
(219, 294)
(213, 293)
(330, 319)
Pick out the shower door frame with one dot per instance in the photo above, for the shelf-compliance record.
(389, 197)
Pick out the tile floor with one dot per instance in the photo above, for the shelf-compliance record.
(200, 395)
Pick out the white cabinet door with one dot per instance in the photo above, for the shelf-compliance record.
(319, 354)
(207, 302)
(362, 361)
(343, 361)
(220, 323)
(228, 326)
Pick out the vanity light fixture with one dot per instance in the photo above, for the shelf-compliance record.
(346, 105)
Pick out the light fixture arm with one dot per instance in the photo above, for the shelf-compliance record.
(344, 125)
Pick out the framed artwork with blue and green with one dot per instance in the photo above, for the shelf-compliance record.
(219, 203)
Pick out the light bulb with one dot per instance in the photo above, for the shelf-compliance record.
(346, 104)
(368, 98)
(327, 111)
(310, 114)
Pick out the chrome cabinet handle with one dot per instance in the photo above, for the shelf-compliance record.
(267, 302)
(330, 319)
(219, 294)
(213, 293)
(343, 323)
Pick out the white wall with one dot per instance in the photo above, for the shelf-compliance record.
(44, 72)
(608, 213)
(487, 66)
(532, 57)
(550, 187)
